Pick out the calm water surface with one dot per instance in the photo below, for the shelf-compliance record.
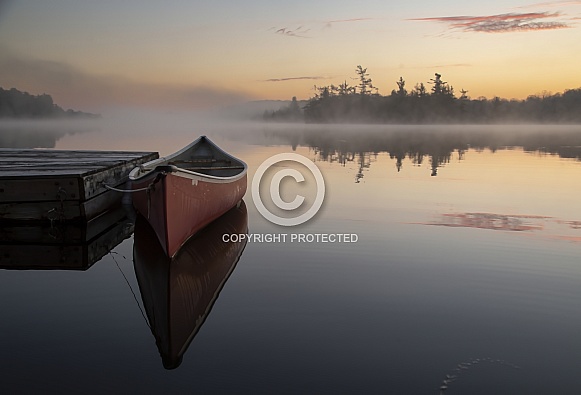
(467, 269)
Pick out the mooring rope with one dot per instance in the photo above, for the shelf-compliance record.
(130, 287)
(158, 177)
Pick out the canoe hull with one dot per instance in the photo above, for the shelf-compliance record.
(179, 205)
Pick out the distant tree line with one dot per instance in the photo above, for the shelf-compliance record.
(435, 103)
(292, 113)
(17, 104)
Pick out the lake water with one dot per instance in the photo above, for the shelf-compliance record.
(465, 277)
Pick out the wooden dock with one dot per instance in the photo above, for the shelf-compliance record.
(64, 186)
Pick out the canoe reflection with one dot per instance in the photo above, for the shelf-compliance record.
(178, 293)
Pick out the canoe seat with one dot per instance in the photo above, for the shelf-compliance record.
(193, 161)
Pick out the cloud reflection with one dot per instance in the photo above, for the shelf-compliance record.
(541, 226)
(505, 222)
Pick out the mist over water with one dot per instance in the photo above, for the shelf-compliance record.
(136, 129)
(41, 133)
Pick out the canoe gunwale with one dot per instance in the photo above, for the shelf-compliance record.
(180, 172)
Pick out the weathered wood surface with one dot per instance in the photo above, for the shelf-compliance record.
(63, 246)
(36, 184)
(40, 163)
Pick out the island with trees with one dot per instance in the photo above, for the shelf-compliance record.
(433, 102)
(17, 104)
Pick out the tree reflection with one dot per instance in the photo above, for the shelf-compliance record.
(437, 145)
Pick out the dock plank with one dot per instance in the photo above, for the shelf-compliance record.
(49, 163)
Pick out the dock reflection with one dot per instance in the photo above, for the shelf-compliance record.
(178, 293)
(61, 245)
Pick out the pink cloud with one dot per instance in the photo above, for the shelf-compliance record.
(351, 20)
(295, 78)
(502, 23)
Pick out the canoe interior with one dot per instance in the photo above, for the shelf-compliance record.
(201, 157)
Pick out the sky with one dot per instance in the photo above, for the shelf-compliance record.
(90, 55)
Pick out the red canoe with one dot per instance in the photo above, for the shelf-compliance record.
(181, 193)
